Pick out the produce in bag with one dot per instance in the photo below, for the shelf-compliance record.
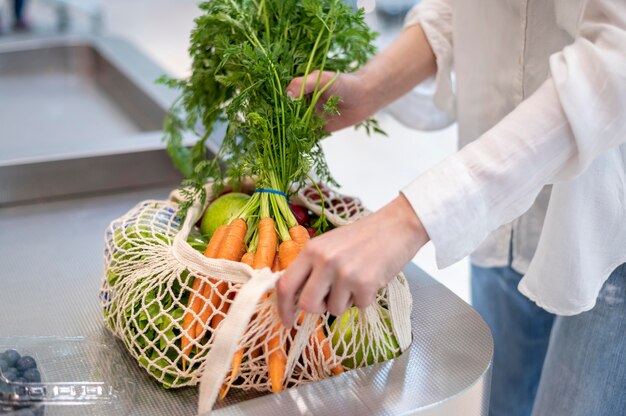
(150, 293)
(188, 317)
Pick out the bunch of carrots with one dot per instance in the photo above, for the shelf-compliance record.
(259, 249)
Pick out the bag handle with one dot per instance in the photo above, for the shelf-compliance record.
(226, 337)
(400, 306)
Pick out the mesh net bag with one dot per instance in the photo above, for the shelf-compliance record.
(150, 270)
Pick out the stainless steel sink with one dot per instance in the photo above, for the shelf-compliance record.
(59, 95)
(88, 105)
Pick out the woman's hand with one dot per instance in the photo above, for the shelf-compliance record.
(355, 103)
(347, 266)
(390, 74)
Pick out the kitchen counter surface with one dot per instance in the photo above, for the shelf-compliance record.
(51, 257)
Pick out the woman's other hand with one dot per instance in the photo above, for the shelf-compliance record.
(347, 266)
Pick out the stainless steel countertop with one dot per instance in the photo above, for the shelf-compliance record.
(51, 266)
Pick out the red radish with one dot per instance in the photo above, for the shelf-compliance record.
(312, 231)
(301, 213)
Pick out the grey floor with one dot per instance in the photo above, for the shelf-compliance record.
(372, 168)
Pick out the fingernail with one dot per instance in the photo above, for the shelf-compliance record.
(290, 94)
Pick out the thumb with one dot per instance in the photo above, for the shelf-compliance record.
(295, 86)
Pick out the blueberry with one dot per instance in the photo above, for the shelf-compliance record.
(26, 362)
(4, 365)
(10, 374)
(32, 375)
(11, 357)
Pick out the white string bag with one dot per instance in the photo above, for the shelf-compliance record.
(150, 271)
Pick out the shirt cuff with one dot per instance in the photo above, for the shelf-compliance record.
(447, 200)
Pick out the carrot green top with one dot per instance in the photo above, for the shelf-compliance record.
(244, 54)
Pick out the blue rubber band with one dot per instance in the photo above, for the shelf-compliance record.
(272, 191)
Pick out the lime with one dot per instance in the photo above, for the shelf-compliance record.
(345, 327)
(221, 211)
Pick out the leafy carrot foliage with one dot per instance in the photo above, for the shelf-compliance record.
(244, 54)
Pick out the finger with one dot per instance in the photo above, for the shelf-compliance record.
(315, 290)
(339, 299)
(288, 286)
(364, 298)
(294, 89)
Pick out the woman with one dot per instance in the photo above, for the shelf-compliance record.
(539, 96)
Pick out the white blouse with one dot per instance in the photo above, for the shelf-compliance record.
(540, 92)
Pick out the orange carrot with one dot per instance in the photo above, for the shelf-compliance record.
(319, 340)
(214, 244)
(274, 349)
(264, 257)
(287, 253)
(248, 258)
(229, 249)
(257, 351)
(300, 235)
(326, 351)
(277, 358)
(276, 264)
(195, 300)
(266, 247)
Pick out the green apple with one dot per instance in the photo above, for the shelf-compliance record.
(220, 211)
(343, 328)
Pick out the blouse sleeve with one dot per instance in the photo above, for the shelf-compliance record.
(432, 105)
(553, 136)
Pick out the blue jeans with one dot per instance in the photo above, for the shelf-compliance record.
(585, 369)
(521, 333)
(568, 365)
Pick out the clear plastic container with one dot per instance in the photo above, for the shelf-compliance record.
(77, 378)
